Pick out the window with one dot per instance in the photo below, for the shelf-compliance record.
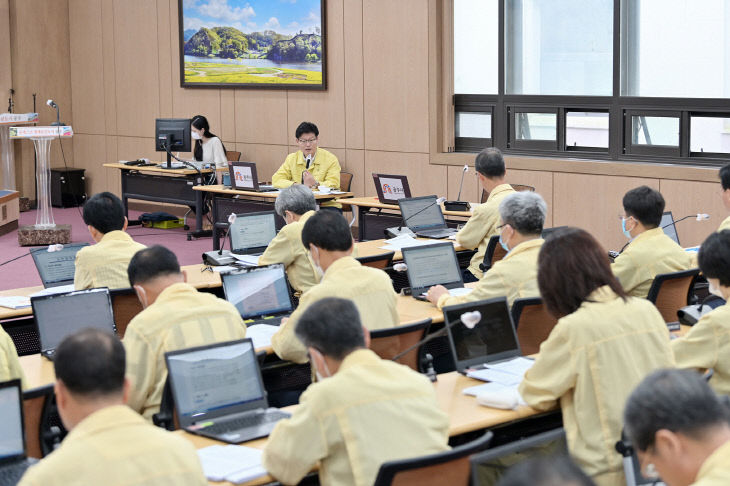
(584, 129)
(535, 126)
(709, 135)
(655, 130)
(473, 125)
(476, 46)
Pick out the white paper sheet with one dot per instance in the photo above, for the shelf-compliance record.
(261, 334)
(233, 463)
(249, 260)
(14, 302)
(54, 290)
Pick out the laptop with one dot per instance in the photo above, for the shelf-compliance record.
(244, 177)
(251, 233)
(218, 392)
(491, 341)
(13, 459)
(56, 268)
(261, 294)
(60, 315)
(391, 188)
(667, 224)
(423, 216)
(430, 265)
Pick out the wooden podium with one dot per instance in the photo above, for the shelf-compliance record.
(7, 155)
(45, 231)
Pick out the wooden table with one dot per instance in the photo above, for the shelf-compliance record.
(164, 185)
(368, 207)
(227, 201)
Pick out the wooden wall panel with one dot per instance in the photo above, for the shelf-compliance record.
(268, 158)
(166, 38)
(108, 67)
(395, 63)
(89, 152)
(129, 148)
(228, 115)
(113, 177)
(355, 164)
(684, 198)
(354, 123)
(471, 191)
(6, 78)
(541, 181)
(424, 179)
(261, 117)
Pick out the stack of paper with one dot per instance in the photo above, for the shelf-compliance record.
(261, 334)
(404, 241)
(506, 373)
(233, 463)
(14, 302)
(54, 290)
(247, 260)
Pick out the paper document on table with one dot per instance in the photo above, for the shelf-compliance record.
(14, 302)
(233, 463)
(496, 376)
(261, 334)
(404, 241)
(223, 268)
(485, 388)
(249, 260)
(54, 290)
(516, 366)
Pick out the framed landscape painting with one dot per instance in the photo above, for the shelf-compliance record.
(253, 44)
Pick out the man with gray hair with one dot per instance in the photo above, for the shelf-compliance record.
(296, 204)
(515, 276)
(680, 429)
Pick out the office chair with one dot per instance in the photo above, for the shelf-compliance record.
(533, 323)
(380, 261)
(670, 292)
(387, 343)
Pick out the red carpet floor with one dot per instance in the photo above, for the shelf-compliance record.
(22, 272)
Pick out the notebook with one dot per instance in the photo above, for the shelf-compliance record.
(60, 315)
(261, 294)
(244, 177)
(219, 393)
(13, 459)
(424, 217)
(56, 268)
(251, 233)
(430, 265)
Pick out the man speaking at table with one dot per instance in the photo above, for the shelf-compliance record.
(310, 165)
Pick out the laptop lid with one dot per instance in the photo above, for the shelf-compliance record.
(12, 436)
(493, 339)
(252, 232)
(667, 224)
(243, 176)
(60, 315)
(212, 381)
(421, 213)
(431, 265)
(56, 268)
(391, 188)
(258, 291)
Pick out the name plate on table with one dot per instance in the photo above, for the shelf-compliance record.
(12, 118)
(41, 132)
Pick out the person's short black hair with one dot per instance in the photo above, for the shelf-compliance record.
(675, 400)
(306, 127)
(150, 263)
(714, 257)
(327, 230)
(490, 163)
(91, 363)
(725, 177)
(332, 326)
(545, 471)
(105, 212)
(645, 204)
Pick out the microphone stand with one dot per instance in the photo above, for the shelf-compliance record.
(458, 205)
(430, 372)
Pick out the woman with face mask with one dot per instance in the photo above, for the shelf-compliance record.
(208, 148)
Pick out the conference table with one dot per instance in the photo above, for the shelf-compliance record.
(373, 216)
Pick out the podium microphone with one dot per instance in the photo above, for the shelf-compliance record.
(458, 205)
(57, 123)
(218, 257)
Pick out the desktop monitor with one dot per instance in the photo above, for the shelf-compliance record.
(172, 135)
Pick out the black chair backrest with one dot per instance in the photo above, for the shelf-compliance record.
(669, 292)
(492, 254)
(43, 427)
(546, 232)
(381, 261)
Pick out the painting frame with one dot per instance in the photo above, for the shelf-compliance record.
(322, 86)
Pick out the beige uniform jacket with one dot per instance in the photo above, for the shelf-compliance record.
(707, 345)
(105, 263)
(725, 224)
(325, 169)
(116, 447)
(370, 412)
(180, 318)
(590, 363)
(715, 471)
(370, 289)
(287, 248)
(515, 276)
(650, 254)
(10, 368)
(482, 225)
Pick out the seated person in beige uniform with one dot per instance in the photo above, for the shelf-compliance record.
(327, 237)
(650, 252)
(707, 344)
(108, 443)
(679, 428)
(523, 216)
(483, 223)
(725, 182)
(296, 205)
(10, 368)
(175, 316)
(362, 412)
(604, 343)
(105, 263)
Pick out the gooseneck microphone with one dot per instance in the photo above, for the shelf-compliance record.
(698, 217)
(57, 123)
(458, 205)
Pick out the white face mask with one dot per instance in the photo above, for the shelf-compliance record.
(316, 263)
(715, 291)
(195, 135)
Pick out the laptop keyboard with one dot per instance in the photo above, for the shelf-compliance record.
(246, 421)
(11, 474)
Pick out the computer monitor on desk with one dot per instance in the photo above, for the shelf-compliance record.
(172, 134)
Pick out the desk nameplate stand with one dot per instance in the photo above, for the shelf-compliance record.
(45, 231)
(7, 155)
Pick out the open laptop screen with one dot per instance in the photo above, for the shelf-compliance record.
(492, 339)
(56, 267)
(258, 291)
(214, 378)
(391, 187)
(432, 265)
(429, 217)
(60, 315)
(252, 231)
(12, 443)
(667, 224)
